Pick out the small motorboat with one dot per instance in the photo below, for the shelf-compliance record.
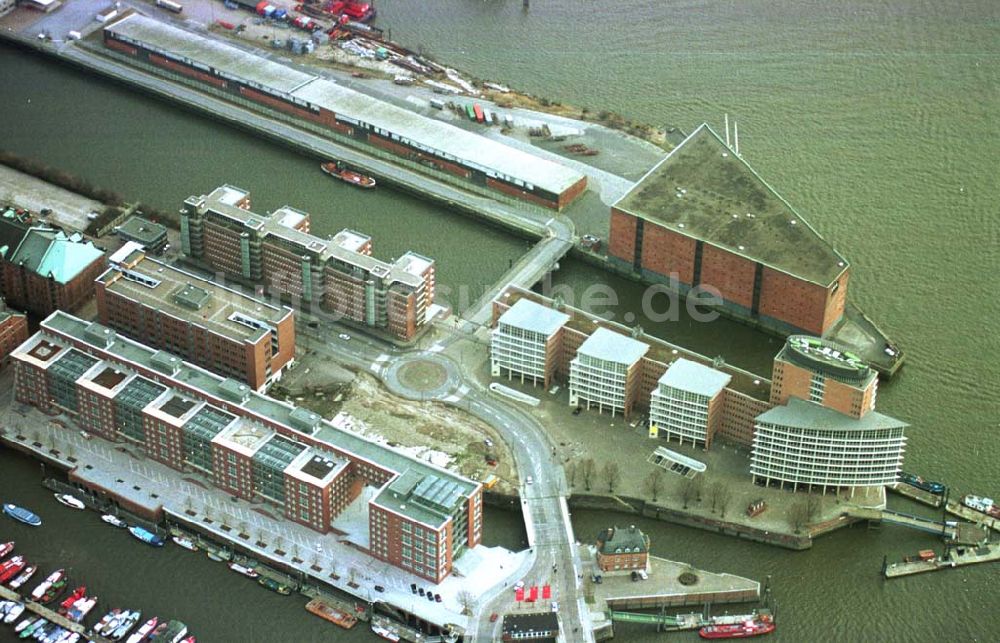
(55, 577)
(23, 577)
(22, 515)
(11, 568)
(13, 613)
(184, 542)
(246, 571)
(81, 608)
(125, 623)
(70, 501)
(274, 586)
(6, 548)
(146, 536)
(144, 631)
(114, 521)
(337, 171)
(77, 594)
(109, 620)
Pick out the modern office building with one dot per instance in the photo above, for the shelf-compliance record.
(49, 270)
(421, 517)
(215, 327)
(527, 342)
(311, 102)
(820, 371)
(13, 330)
(688, 403)
(605, 374)
(152, 236)
(622, 549)
(803, 444)
(703, 218)
(745, 397)
(338, 275)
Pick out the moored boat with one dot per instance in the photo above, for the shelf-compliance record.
(186, 543)
(241, 569)
(44, 586)
(70, 501)
(144, 631)
(741, 630)
(10, 568)
(29, 629)
(169, 632)
(54, 590)
(385, 633)
(331, 613)
(23, 577)
(929, 486)
(6, 548)
(109, 620)
(982, 505)
(22, 515)
(126, 624)
(25, 624)
(337, 171)
(81, 608)
(275, 586)
(146, 536)
(114, 521)
(77, 594)
(15, 611)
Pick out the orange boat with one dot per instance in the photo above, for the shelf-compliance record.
(330, 613)
(335, 170)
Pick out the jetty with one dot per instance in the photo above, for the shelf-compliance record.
(919, 495)
(954, 557)
(50, 615)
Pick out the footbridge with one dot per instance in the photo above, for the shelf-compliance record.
(926, 525)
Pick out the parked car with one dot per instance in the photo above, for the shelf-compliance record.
(413, 587)
(379, 588)
(437, 597)
(529, 480)
(493, 617)
(635, 576)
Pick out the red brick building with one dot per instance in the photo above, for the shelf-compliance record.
(819, 371)
(703, 219)
(50, 271)
(13, 330)
(215, 327)
(622, 549)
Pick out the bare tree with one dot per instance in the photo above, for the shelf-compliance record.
(589, 468)
(813, 504)
(571, 474)
(798, 515)
(654, 482)
(612, 475)
(724, 502)
(716, 492)
(466, 600)
(690, 489)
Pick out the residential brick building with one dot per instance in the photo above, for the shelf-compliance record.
(622, 549)
(820, 371)
(421, 517)
(49, 270)
(205, 323)
(13, 330)
(336, 275)
(703, 219)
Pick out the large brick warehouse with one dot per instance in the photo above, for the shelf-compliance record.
(702, 217)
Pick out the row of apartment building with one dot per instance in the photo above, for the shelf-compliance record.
(421, 518)
(814, 424)
(338, 275)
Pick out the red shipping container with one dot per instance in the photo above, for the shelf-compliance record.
(546, 591)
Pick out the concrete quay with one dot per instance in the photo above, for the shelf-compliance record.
(956, 557)
(921, 496)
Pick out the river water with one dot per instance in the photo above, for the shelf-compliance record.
(877, 120)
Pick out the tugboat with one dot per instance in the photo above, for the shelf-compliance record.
(337, 171)
(22, 515)
(55, 577)
(69, 501)
(275, 586)
(141, 633)
(114, 521)
(24, 577)
(246, 571)
(146, 536)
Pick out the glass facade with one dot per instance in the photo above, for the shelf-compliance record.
(130, 403)
(63, 375)
(269, 464)
(198, 434)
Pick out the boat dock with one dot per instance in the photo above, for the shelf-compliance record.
(960, 510)
(955, 557)
(921, 496)
(50, 615)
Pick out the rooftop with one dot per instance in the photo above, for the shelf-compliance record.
(142, 230)
(703, 190)
(800, 414)
(190, 298)
(618, 540)
(693, 377)
(530, 625)
(660, 350)
(528, 315)
(473, 149)
(826, 357)
(50, 253)
(609, 346)
(211, 388)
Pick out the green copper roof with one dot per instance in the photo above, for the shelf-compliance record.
(50, 253)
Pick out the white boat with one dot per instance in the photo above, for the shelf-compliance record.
(69, 501)
(23, 577)
(246, 571)
(128, 621)
(15, 611)
(39, 591)
(385, 633)
(142, 632)
(186, 543)
(114, 521)
(26, 623)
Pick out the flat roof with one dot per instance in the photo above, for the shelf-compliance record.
(254, 404)
(528, 315)
(143, 230)
(800, 414)
(693, 377)
(829, 358)
(703, 190)
(660, 350)
(473, 149)
(191, 299)
(351, 240)
(614, 347)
